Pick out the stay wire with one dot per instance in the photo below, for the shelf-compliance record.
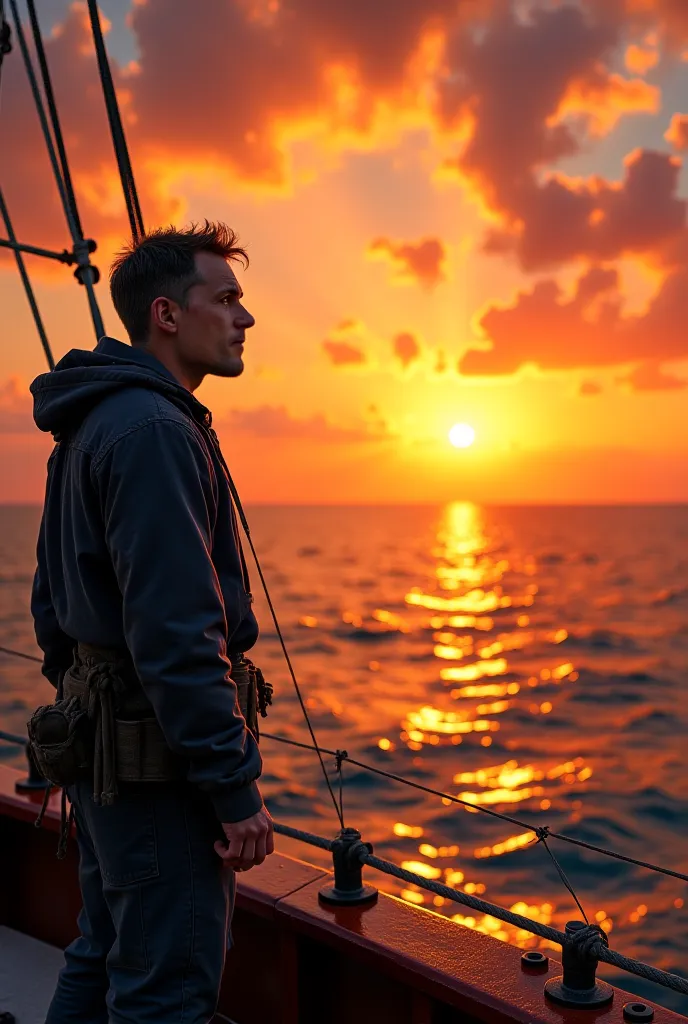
(26, 281)
(88, 272)
(297, 688)
(538, 830)
(54, 116)
(541, 832)
(119, 141)
(20, 654)
(5, 48)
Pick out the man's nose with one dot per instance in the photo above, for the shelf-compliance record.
(244, 318)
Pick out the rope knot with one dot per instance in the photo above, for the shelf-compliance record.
(588, 940)
(542, 833)
(339, 757)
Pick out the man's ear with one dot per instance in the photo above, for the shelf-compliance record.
(164, 315)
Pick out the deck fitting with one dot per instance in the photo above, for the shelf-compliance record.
(534, 961)
(33, 782)
(638, 1013)
(348, 887)
(578, 986)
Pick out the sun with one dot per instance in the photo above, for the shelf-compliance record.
(462, 435)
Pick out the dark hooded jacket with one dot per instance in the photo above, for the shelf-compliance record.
(139, 547)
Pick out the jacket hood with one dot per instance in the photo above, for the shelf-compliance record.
(82, 379)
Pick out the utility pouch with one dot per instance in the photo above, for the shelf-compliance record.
(60, 739)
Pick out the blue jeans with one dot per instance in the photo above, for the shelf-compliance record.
(157, 906)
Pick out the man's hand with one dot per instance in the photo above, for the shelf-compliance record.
(248, 842)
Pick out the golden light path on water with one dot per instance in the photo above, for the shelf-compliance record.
(470, 582)
(493, 644)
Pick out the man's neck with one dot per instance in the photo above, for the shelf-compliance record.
(171, 362)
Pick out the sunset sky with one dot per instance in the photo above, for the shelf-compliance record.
(457, 211)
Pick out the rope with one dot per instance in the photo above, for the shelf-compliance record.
(23, 273)
(10, 737)
(86, 273)
(19, 654)
(54, 117)
(599, 950)
(119, 141)
(297, 688)
(539, 830)
(305, 837)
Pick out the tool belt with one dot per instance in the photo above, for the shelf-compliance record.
(105, 723)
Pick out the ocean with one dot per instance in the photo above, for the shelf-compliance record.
(531, 661)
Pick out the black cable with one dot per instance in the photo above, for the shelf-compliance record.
(86, 273)
(54, 116)
(119, 142)
(538, 830)
(23, 273)
(20, 654)
(244, 523)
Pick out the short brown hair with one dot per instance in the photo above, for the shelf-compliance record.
(163, 263)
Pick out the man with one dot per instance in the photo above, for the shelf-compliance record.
(141, 598)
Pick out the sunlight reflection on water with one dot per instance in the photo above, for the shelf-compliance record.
(529, 661)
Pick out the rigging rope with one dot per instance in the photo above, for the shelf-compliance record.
(86, 272)
(119, 141)
(609, 956)
(297, 688)
(24, 274)
(542, 832)
(70, 198)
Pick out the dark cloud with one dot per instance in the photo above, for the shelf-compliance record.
(421, 262)
(341, 353)
(650, 377)
(528, 93)
(589, 388)
(268, 421)
(543, 329)
(406, 348)
(596, 219)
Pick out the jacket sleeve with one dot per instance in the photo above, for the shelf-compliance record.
(57, 647)
(157, 496)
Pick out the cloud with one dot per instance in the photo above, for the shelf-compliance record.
(268, 421)
(16, 408)
(412, 262)
(406, 348)
(677, 132)
(589, 387)
(640, 59)
(341, 353)
(541, 328)
(597, 219)
(528, 93)
(649, 377)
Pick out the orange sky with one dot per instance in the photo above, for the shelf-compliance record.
(475, 217)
